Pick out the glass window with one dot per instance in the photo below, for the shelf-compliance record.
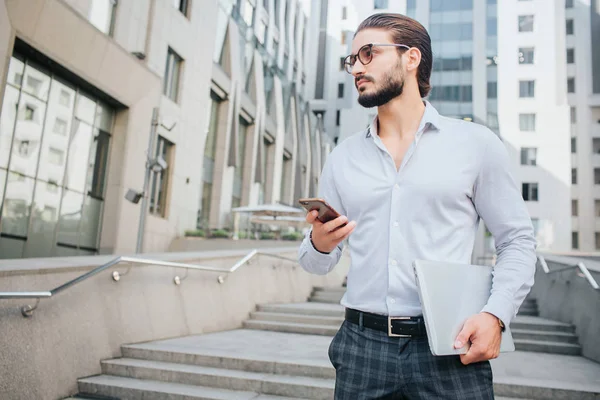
(530, 191)
(492, 26)
(573, 145)
(160, 179)
(526, 89)
(340, 90)
(525, 23)
(596, 176)
(574, 176)
(17, 205)
(380, 4)
(526, 55)
(492, 90)
(98, 164)
(182, 6)
(575, 240)
(568, 3)
(573, 115)
(172, 75)
(248, 13)
(102, 15)
(27, 135)
(49, 140)
(527, 122)
(70, 215)
(574, 208)
(597, 208)
(570, 56)
(570, 27)
(528, 156)
(238, 175)
(571, 85)
(596, 145)
(78, 157)
(344, 13)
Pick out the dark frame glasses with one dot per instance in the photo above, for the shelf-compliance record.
(365, 55)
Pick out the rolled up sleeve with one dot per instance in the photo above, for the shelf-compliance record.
(500, 204)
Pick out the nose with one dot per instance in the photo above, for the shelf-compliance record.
(358, 68)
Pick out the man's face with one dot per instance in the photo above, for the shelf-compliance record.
(381, 79)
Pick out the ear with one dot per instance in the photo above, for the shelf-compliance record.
(412, 58)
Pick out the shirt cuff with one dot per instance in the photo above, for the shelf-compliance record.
(501, 307)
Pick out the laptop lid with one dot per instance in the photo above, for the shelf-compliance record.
(450, 293)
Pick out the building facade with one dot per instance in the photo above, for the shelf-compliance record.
(493, 65)
(582, 56)
(227, 81)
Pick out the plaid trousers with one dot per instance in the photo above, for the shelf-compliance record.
(371, 365)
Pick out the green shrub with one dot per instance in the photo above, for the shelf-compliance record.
(195, 233)
(242, 235)
(267, 236)
(220, 233)
(292, 236)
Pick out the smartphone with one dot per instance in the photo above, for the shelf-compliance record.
(326, 212)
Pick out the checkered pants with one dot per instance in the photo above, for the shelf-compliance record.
(371, 365)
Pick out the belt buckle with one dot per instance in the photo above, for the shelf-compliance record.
(390, 319)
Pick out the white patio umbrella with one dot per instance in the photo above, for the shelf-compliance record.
(271, 214)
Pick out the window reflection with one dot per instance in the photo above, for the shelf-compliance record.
(54, 143)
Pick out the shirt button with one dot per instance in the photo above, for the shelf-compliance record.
(396, 223)
(392, 301)
(394, 262)
(396, 186)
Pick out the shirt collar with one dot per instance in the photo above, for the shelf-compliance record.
(430, 120)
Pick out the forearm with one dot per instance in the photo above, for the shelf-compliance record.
(315, 262)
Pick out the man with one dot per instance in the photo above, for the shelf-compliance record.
(414, 186)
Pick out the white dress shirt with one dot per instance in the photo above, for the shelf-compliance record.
(454, 173)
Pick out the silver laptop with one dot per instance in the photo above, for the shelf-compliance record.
(450, 293)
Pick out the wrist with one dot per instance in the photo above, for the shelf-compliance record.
(498, 321)
(315, 247)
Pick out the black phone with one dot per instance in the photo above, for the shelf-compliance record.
(326, 212)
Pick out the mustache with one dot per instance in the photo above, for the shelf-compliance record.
(361, 77)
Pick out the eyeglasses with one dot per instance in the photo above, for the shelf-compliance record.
(365, 55)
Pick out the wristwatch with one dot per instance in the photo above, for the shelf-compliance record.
(502, 327)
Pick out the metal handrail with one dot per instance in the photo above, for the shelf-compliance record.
(582, 268)
(27, 310)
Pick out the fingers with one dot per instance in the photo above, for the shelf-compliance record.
(464, 336)
(311, 217)
(333, 224)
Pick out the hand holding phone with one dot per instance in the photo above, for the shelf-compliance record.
(329, 227)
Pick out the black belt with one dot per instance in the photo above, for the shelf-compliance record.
(393, 326)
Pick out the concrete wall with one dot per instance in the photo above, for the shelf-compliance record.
(66, 338)
(568, 297)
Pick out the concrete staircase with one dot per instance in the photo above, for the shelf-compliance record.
(281, 353)
(531, 333)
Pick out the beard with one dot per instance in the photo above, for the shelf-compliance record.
(393, 86)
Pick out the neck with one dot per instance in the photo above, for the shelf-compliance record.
(401, 116)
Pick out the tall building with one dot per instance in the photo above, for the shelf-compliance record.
(81, 81)
(581, 29)
(493, 65)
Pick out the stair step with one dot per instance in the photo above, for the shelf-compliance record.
(560, 337)
(530, 313)
(540, 324)
(138, 389)
(547, 347)
(324, 300)
(290, 327)
(321, 309)
(238, 360)
(280, 385)
(333, 289)
(296, 318)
